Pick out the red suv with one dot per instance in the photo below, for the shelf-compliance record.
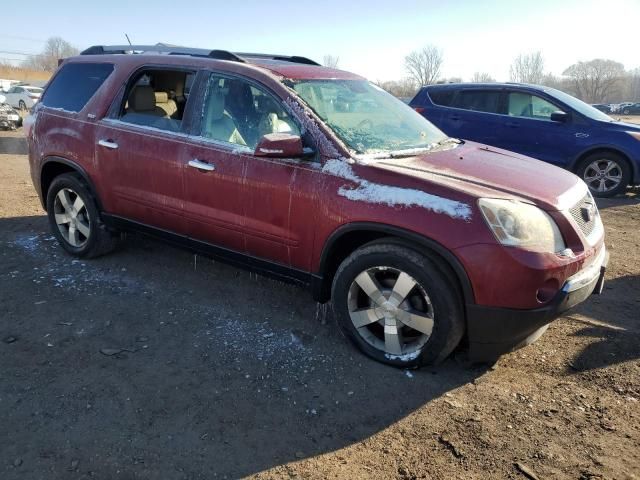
(318, 177)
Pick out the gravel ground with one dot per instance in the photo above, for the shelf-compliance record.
(154, 363)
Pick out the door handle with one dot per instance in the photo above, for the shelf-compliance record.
(454, 117)
(200, 165)
(512, 124)
(108, 144)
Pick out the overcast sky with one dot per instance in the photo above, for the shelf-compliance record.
(371, 38)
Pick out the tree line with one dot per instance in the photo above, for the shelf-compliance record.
(595, 81)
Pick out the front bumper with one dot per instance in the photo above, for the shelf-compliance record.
(494, 331)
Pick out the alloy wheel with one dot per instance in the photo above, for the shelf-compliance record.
(391, 311)
(602, 175)
(72, 217)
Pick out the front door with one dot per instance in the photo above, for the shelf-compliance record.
(251, 205)
(527, 129)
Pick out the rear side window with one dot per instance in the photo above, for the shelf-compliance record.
(442, 97)
(478, 101)
(75, 84)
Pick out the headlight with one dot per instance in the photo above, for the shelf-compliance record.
(518, 224)
(635, 135)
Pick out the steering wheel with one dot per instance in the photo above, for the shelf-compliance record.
(364, 123)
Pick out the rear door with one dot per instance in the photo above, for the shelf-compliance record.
(141, 154)
(475, 115)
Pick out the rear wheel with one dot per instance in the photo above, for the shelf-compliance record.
(626, 111)
(397, 305)
(605, 173)
(74, 218)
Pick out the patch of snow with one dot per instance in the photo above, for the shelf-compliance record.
(407, 357)
(370, 192)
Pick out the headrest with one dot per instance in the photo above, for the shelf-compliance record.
(142, 99)
(161, 97)
(216, 105)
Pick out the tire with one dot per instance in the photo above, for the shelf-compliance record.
(599, 170)
(77, 226)
(22, 106)
(434, 295)
(626, 111)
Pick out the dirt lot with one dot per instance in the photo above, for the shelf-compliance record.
(153, 363)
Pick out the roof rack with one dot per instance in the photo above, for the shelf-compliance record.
(194, 52)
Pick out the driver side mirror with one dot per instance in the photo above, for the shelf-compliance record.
(559, 116)
(280, 145)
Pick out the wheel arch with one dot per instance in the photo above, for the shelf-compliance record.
(347, 238)
(54, 166)
(604, 148)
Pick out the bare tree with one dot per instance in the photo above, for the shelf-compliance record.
(55, 48)
(527, 68)
(594, 81)
(404, 88)
(330, 61)
(424, 65)
(482, 77)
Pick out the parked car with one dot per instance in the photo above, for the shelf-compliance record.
(9, 118)
(23, 97)
(542, 123)
(418, 239)
(603, 107)
(631, 109)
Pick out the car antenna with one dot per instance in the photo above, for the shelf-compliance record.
(128, 39)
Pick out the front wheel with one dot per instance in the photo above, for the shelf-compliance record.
(22, 105)
(626, 111)
(397, 305)
(74, 218)
(606, 174)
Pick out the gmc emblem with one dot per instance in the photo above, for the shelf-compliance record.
(588, 211)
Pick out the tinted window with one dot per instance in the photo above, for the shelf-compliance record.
(478, 100)
(442, 97)
(240, 113)
(75, 84)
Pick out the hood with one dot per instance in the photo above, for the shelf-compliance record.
(485, 171)
(620, 126)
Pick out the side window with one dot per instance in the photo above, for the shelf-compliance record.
(478, 100)
(157, 98)
(442, 97)
(74, 85)
(240, 113)
(529, 106)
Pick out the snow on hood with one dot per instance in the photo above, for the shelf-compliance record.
(370, 192)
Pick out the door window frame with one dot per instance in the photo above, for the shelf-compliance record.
(543, 97)
(199, 92)
(114, 113)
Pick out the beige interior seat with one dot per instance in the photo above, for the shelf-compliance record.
(143, 100)
(165, 103)
(218, 124)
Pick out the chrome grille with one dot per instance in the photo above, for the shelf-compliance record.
(580, 214)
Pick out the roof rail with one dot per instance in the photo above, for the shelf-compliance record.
(281, 58)
(194, 52)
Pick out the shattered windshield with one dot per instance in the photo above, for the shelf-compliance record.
(366, 118)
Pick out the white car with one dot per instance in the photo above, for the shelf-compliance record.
(23, 96)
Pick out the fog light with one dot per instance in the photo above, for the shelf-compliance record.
(548, 290)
